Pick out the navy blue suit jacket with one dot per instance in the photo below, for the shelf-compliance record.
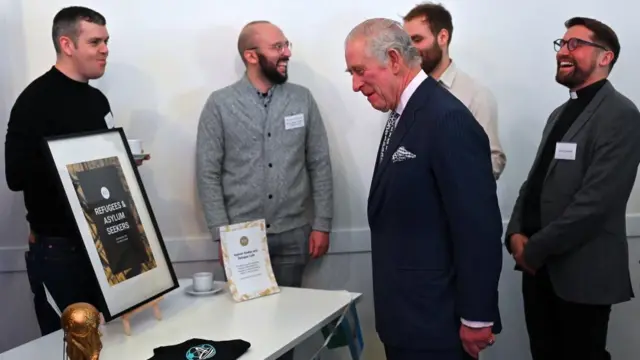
(435, 226)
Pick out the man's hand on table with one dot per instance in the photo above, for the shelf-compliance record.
(139, 161)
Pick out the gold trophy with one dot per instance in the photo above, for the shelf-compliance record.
(80, 324)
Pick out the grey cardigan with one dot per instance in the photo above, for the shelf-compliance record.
(258, 159)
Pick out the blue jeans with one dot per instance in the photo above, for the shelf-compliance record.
(61, 265)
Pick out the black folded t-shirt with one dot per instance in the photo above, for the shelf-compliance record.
(200, 349)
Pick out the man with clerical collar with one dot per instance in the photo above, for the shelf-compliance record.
(431, 28)
(567, 232)
(262, 152)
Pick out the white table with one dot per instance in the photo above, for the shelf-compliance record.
(272, 324)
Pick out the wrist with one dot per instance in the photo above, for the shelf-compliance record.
(321, 224)
(476, 324)
(515, 236)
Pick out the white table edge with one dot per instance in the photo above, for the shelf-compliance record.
(355, 298)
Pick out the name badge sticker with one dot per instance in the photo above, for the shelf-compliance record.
(108, 119)
(294, 121)
(566, 151)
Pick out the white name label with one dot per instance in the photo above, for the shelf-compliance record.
(246, 260)
(566, 151)
(108, 119)
(294, 121)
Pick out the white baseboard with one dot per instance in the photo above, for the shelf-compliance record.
(202, 248)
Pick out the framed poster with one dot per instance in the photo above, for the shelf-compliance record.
(246, 260)
(119, 231)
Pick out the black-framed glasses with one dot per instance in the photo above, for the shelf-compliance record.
(574, 43)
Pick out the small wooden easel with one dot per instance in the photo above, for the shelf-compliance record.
(127, 316)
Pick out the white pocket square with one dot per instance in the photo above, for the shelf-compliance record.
(402, 154)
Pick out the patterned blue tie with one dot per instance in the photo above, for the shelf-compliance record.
(388, 130)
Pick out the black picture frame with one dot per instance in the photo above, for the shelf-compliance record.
(108, 311)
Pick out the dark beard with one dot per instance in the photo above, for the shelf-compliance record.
(577, 77)
(431, 58)
(270, 70)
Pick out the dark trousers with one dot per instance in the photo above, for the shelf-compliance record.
(394, 353)
(289, 252)
(63, 267)
(559, 329)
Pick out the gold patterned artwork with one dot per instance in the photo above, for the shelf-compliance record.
(80, 325)
(113, 219)
(247, 243)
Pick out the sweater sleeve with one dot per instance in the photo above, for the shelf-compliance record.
(209, 155)
(22, 143)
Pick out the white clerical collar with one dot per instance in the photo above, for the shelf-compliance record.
(573, 94)
(409, 90)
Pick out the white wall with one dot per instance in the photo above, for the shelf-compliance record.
(166, 57)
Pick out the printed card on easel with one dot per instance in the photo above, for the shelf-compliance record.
(247, 264)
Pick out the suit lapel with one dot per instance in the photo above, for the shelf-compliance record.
(582, 119)
(404, 125)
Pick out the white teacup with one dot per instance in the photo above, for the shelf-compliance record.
(136, 146)
(202, 282)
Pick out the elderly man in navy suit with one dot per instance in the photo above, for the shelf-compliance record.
(433, 210)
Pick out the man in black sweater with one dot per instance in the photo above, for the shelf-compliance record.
(59, 102)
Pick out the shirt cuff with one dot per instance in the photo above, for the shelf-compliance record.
(476, 324)
(321, 224)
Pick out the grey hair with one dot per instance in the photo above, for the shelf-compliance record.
(382, 35)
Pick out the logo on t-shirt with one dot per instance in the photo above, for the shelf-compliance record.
(201, 352)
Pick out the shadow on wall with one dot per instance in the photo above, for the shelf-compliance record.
(134, 102)
(219, 54)
(209, 64)
(13, 223)
(525, 139)
(348, 195)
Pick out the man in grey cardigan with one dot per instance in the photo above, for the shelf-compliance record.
(262, 152)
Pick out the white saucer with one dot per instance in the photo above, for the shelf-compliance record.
(216, 289)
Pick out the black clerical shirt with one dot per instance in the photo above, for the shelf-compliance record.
(531, 222)
(53, 104)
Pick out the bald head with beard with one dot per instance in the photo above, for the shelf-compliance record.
(263, 46)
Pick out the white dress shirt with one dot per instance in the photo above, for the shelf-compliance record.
(404, 99)
(483, 106)
(409, 90)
